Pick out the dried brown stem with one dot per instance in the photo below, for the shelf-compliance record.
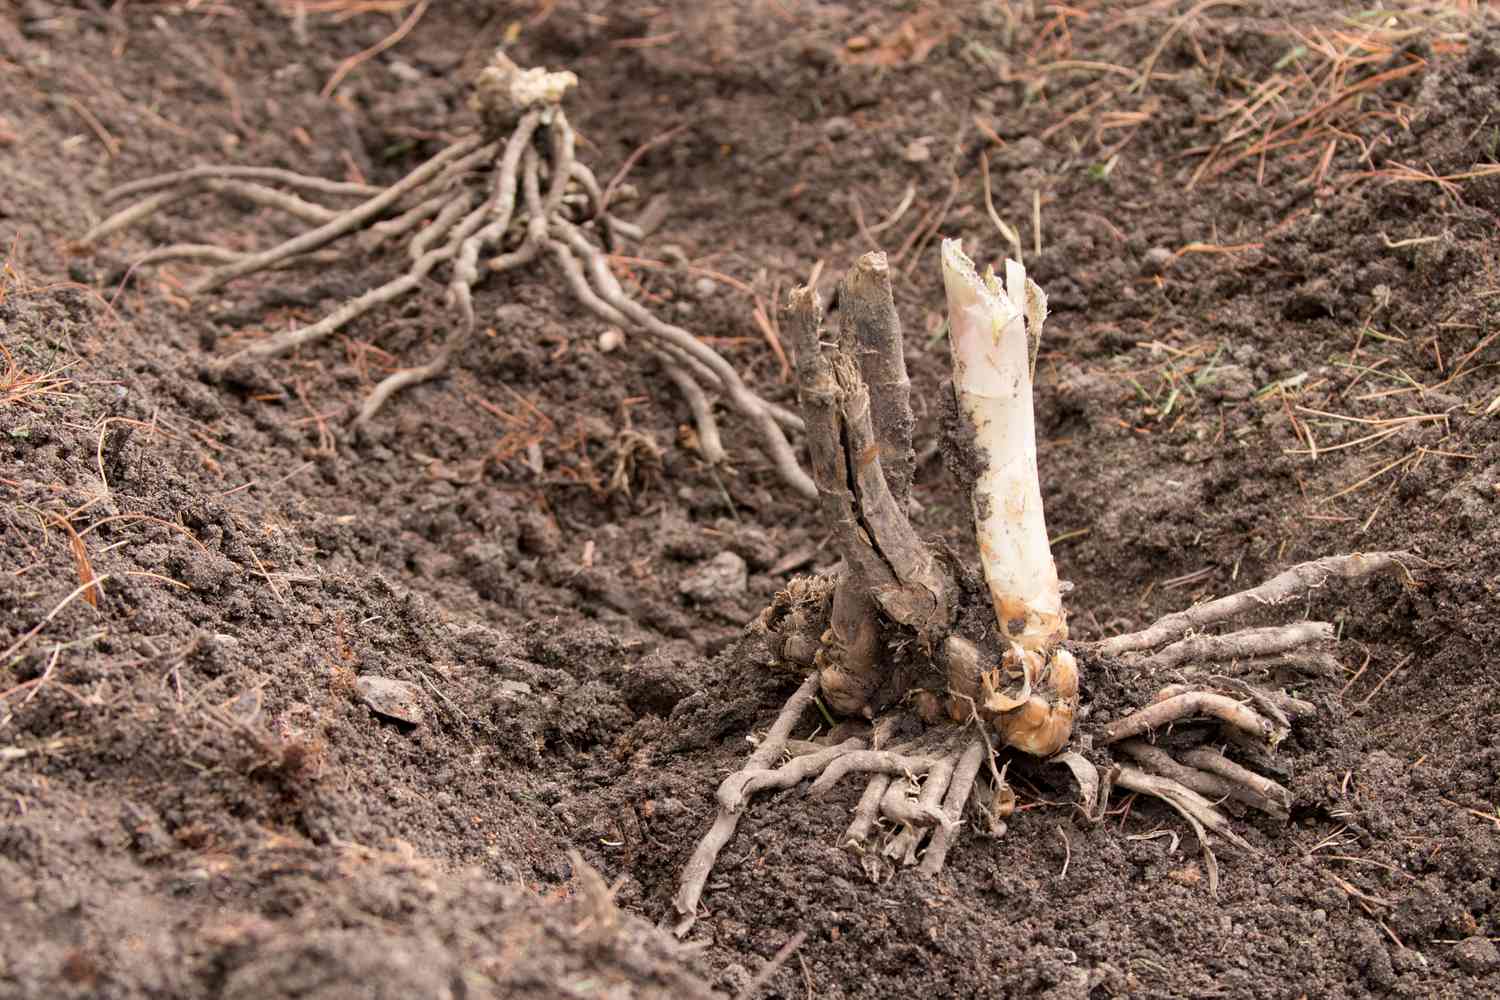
(885, 565)
(850, 674)
(819, 396)
(919, 596)
(870, 331)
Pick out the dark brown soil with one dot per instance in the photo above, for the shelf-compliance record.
(196, 802)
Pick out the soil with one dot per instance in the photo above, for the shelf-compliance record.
(1264, 348)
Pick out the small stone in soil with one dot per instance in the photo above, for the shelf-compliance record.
(393, 699)
(725, 575)
(1477, 955)
(514, 689)
(539, 534)
(1157, 260)
(838, 128)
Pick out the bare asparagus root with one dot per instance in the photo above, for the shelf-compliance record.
(1173, 742)
(504, 198)
(976, 659)
(911, 795)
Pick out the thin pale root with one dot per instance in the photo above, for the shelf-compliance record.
(1184, 706)
(695, 873)
(1281, 588)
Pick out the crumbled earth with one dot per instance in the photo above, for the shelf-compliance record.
(1269, 235)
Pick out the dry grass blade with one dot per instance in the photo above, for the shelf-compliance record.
(1218, 248)
(1011, 235)
(352, 63)
(630, 161)
(773, 339)
(86, 578)
(342, 10)
(1401, 173)
(17, 386)
(30, 634)
(1367, 480)
(1143, 78)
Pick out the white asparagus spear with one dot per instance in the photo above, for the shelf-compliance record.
(987, 329)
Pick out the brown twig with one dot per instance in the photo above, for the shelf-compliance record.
(634, 158)
(111, 144)
(773, 339)
(754, 986)
(74, 594)
(352, 63)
